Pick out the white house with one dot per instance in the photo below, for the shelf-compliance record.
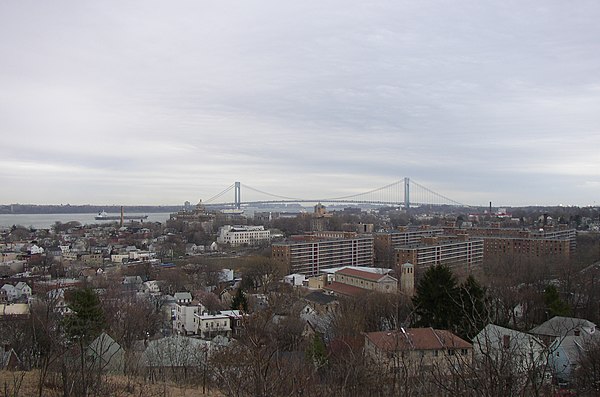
(184, 321)
(508, 348)
(34, 249)
(211, 325)
(12, 293)
(150, 287)
(23, 289)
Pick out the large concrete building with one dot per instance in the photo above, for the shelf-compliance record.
(442, 250)
(543, 243)
(385, 243)
(242, 235)
(310, 254)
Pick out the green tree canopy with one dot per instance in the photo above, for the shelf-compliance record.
(440, 302)
(436, 299)
(86, 321)
(240, 302)
(474, 311)
(554, 305)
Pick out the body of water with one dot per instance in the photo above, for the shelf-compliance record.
(42, 221)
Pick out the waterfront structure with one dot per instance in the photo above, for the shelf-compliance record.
(442, 250)
(243, 235)
(309, 255)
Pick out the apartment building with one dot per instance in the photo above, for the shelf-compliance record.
(309, 255)
(386, 242)
(558, 242)
(442, 250)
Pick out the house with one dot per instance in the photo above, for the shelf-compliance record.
(236, 318)
(318, 313)
(23, 289)
(183, 298)
(106, 354)
(11, 292)
(562, 326)
(321, 303)
(184, 321)
(413, 349)
(150, 287)
(505, 349)
(9, 360)
(177, 356)
(567, 352)
(211, 325)
(35, 250)
(568, 339)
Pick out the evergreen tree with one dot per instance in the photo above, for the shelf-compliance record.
(436, 299)
(474, 312)
(554, 305)
(86, 322)
(317, 352)
(240, 302)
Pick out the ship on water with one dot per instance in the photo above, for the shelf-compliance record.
(103, 216)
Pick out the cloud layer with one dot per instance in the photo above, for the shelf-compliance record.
(156, 103)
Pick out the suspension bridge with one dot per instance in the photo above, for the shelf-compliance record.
(403, 193)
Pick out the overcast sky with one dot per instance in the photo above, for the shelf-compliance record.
(157, 102)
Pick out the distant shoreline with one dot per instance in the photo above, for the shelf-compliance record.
(32, 209)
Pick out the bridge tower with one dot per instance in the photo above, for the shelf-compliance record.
(406, 193)
(238, 195)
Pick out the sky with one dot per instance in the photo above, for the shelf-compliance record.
(156, 102)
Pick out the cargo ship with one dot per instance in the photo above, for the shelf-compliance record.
(103, 216)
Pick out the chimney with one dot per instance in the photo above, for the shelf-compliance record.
(577, 332)
(506, 341)
(122, 216)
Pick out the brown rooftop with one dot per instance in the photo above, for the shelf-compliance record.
(345, 289)
(361, 274)
(417, 339)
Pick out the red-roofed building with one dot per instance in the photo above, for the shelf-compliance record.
(416, 349)
(367, 280)
(340, 289)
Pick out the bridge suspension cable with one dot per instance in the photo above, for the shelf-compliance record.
(432, 194)
(220, 194)
(270, 194)
(391, 185)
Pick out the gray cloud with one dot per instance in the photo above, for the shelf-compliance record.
(152, 102)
